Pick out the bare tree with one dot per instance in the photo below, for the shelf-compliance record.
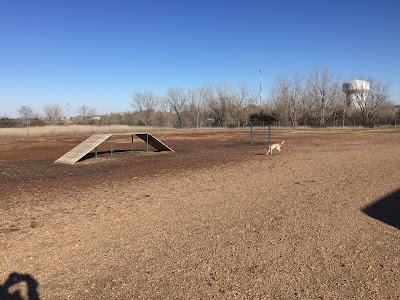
(53, 112)
(221, 102)
(317, 90)
(247, 99)
(340, 109)
(207, 96)
(337, 100)
(323, 89)
(163, 116)
(199, 108)
(146, 103)
(281, 98)
(196, 108)
(86, 112)
(177, 99)
(298, 98)
(92, 112)
(385, 113)
(83, 111)
(378, 95)
(238, 101)
(26, 113)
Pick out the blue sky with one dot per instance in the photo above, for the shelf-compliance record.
(99, 53)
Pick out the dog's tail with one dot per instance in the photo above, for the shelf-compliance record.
(282, 143)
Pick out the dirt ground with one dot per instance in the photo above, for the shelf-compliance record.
(216, 219)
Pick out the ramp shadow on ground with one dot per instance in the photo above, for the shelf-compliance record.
(386, 209)
(102, 153)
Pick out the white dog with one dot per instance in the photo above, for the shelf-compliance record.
(276, 146)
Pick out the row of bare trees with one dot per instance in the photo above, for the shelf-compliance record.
(218, 104)
(53, 113)
(316, 98)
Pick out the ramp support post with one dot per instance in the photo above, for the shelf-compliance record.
(95, 152)
(132, 144)
(147, 144)
(111, 147)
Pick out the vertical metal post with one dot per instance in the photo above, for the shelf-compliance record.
(269, 134)
(251, 133)
(132, 143)
(111, 147)
(95, 152)
(260, 84)
(147, 144)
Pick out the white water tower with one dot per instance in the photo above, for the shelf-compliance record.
(356, 92)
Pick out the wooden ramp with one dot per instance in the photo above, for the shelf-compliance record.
(95, 140)
(153, 141)
(82, 149)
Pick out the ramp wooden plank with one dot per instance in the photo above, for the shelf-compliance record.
(82, 149)
(154, 142)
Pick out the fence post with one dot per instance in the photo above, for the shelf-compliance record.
(269, 134)
(251, 133)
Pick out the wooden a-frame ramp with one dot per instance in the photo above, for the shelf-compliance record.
(95, 140)
(153, 141)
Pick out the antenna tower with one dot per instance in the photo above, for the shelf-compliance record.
(260, 84)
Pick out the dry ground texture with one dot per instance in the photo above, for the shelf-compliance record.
(216, 219)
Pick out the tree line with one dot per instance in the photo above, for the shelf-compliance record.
(317, 99)
(53, 114)
(312, 99)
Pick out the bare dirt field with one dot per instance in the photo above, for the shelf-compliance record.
(216, 219)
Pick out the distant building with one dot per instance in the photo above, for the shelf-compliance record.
(65, 120)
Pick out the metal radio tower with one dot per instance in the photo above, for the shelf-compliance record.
(260, 84)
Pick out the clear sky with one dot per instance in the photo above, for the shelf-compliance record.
(99, 53)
